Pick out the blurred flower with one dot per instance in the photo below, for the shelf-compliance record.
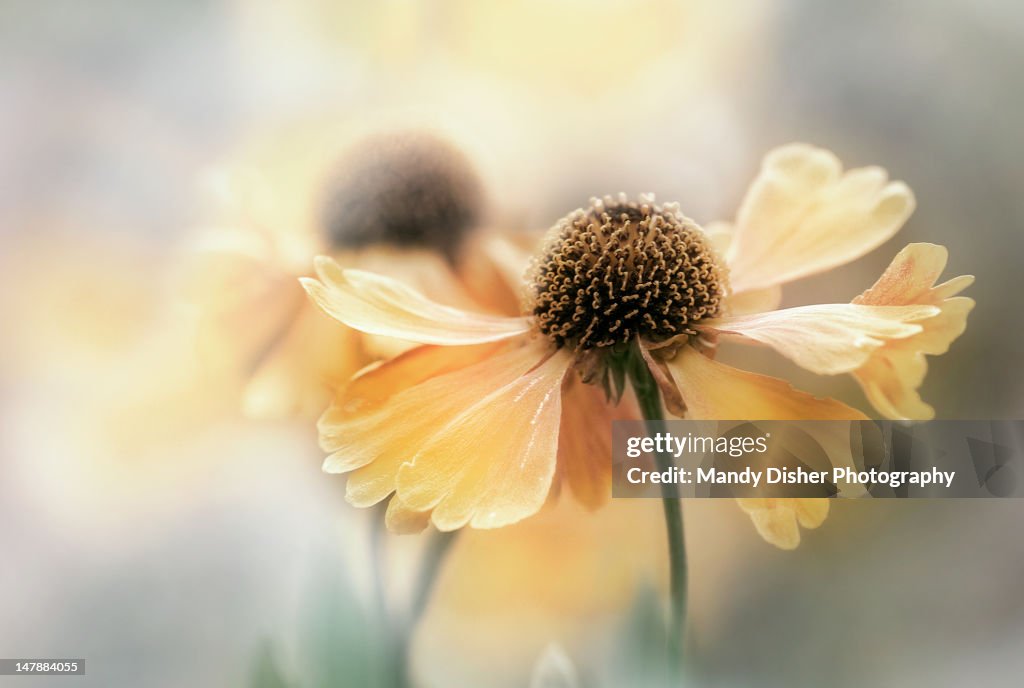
(402, 204)
(506, 617)
(618, 277)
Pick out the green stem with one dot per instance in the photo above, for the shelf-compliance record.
(436, 550)
(377, 567)
(649, 398)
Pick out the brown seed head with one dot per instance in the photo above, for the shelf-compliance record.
(409, 189)
(621, 269)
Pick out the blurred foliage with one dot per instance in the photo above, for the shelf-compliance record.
(265, 671)
(337, 640)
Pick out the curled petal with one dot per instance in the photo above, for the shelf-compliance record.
(803, 215)
(893, 373)
(380, 305)
(827, 339)
(492, 464)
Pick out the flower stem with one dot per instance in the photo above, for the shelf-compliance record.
(432, 558)
(434, 555)
(649, 399)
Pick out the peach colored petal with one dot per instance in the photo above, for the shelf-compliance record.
(382, 306)
(421, 269)
(380, 380)
(585, 439)
(493, 464)
(893, 373)
(493, 268)
(712, 390)
(391, 410)
(803, 215)
(826, 339)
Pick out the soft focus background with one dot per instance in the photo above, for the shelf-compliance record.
(149, 528)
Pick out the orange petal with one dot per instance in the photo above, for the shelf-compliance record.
(803, 215)
(826, 339)
(380, 305)
(492, 464)
(585, 439)
(390, 410)
(893, 373)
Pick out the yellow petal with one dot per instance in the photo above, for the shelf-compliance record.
(893, 373)
(719, 234)
(909, 277)
(391, 410)
(778, 520)
(493, 464)
(380, 305)
(826, 339)
(585, 439)
(754, 301)
(803, 215)
(422, 270)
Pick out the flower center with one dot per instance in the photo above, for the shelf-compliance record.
(407, 189)
(621, 269)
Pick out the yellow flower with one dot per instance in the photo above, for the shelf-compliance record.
(402, 204)
(480, 423)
